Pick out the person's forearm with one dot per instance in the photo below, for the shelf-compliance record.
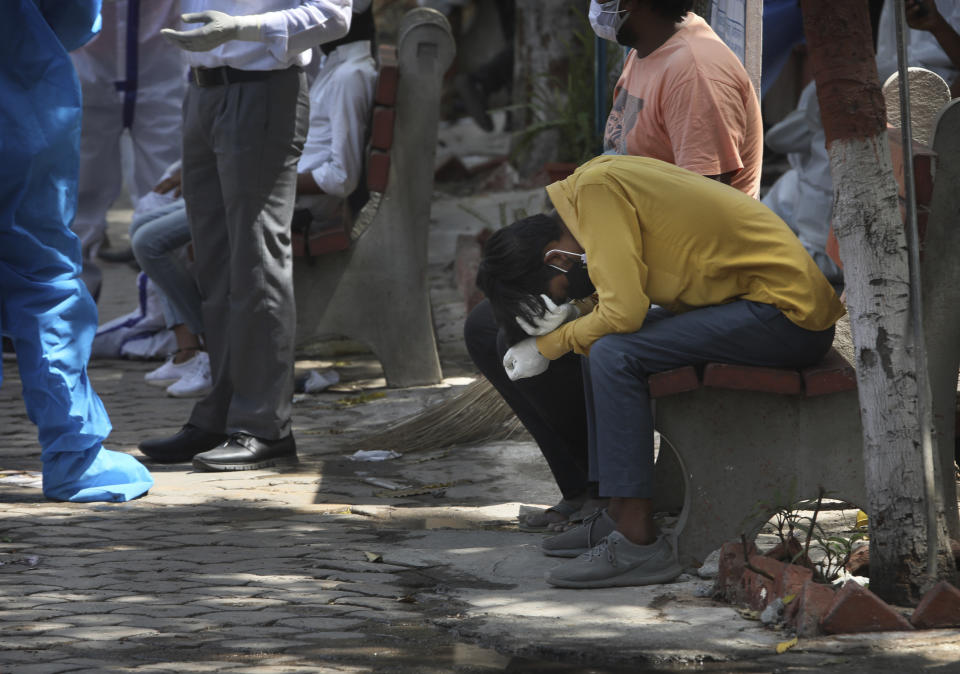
(948, 39)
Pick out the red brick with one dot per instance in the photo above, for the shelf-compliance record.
(679, 380)
(381, 129)
(329, 240)
(750, 378)
(812, 604)
(940, 607)
(859, 562)
(387, 76)
(730, 570)
(378, 171)
(785, 552)
(857, 609)
(831, 375)
(757, 590)
(791, 580)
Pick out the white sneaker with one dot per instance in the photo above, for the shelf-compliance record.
(196, 382)
(170, 372)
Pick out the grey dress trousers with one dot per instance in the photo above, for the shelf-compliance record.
(241, 145)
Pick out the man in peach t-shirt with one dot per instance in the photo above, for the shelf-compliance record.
(689, 102)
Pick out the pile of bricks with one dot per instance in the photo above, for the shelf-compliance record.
(814, 608)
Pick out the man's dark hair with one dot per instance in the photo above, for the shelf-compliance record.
(672, 10)
(512, 273)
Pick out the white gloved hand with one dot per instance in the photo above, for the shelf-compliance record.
(217, 29)
(550, 321)
(522, 360)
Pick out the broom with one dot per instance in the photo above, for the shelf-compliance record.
(475, 415)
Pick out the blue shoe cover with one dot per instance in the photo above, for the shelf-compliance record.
(95, 475)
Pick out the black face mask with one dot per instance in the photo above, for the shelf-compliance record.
(580, 286)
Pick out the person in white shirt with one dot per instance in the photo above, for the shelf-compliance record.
(330, 167)
(244, 125)
(133, 82)
(341, 98)
(803, 196)
(932, 39)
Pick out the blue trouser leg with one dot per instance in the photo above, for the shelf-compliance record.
(44, 306)
(742, 332)
(155, 239)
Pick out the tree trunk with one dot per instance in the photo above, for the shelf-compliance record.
(542, 48)
(872, 243)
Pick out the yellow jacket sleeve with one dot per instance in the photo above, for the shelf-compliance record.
(607, 228)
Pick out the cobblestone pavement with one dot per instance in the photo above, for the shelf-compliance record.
(322, 569)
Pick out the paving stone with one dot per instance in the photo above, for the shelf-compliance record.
(339, 636)
(234, 603)
(262, 645)
(183, 666)
(158, 586)
(155, 610)
(318, 624)
(35, 613)
(246, 617)
(857, 609)
(94, 619)
(46, 668)
(940, 607)
(32, 642)
(27, 602)
(104, 632)
(168, 625)
(10, 629)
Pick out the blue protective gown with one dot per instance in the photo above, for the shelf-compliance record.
(44, 306)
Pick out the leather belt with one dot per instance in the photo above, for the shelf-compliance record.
(213, 77)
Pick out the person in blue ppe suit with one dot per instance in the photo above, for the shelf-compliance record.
(44, 306)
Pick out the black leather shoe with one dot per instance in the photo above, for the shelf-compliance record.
(246, 452)
(183, 446)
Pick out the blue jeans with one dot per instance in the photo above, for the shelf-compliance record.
(156, 237)
(619, 415)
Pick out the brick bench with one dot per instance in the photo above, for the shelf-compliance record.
(831, 375)
(738, 442)
(370, 283)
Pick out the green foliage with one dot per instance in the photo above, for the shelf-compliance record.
(835, 551)
(571, 114)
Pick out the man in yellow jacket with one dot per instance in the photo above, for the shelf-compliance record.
(684, 270)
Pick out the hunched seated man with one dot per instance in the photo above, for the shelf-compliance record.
(686, 270)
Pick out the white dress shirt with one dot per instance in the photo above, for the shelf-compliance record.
(289, 29)
(923, 50)
(340, 100)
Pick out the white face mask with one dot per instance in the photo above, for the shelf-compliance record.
(606, 18)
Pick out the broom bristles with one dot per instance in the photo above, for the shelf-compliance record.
(476, 414)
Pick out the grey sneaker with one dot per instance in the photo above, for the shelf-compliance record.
(579, 540)
(617, 562)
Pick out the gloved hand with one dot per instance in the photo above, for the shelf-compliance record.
(523, 360)
(550, 321)
(217, 29)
